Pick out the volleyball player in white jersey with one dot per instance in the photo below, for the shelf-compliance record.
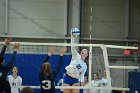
(95, 83)
(15, 81)
(104, 83)
(75, 71)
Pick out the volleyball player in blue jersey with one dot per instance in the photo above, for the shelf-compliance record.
(4, 69)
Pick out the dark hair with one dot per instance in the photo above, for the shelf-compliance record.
(14, 67)
(87, 52)
(95, 74)
(27, 90)
(1, 58)
(48, 70)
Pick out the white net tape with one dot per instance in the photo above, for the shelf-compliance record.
(79, 87)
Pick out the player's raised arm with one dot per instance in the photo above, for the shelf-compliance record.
(12, 58)
(74, 33)
(7, 42)
(49, 54)
(62, 51)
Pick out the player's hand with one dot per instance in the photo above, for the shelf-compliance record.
(7, 41)
(16, 46)
(62, 51)
(51, 51)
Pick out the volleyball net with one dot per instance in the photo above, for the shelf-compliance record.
(101, 57)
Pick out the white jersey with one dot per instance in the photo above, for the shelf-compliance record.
(104, 83)
(15, 83)
(77, 68)
(95, 83)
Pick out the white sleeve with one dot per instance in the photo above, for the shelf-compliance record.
(73, 49)
(8, 78)
(20, 81)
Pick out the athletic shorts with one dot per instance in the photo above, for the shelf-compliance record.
(69, 80)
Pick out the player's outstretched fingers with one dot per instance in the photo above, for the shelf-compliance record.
(16, 46)
(63, 50)
(51, 51)
(7, 41)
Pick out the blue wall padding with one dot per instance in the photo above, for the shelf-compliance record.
(134, 82)
(29, 66)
